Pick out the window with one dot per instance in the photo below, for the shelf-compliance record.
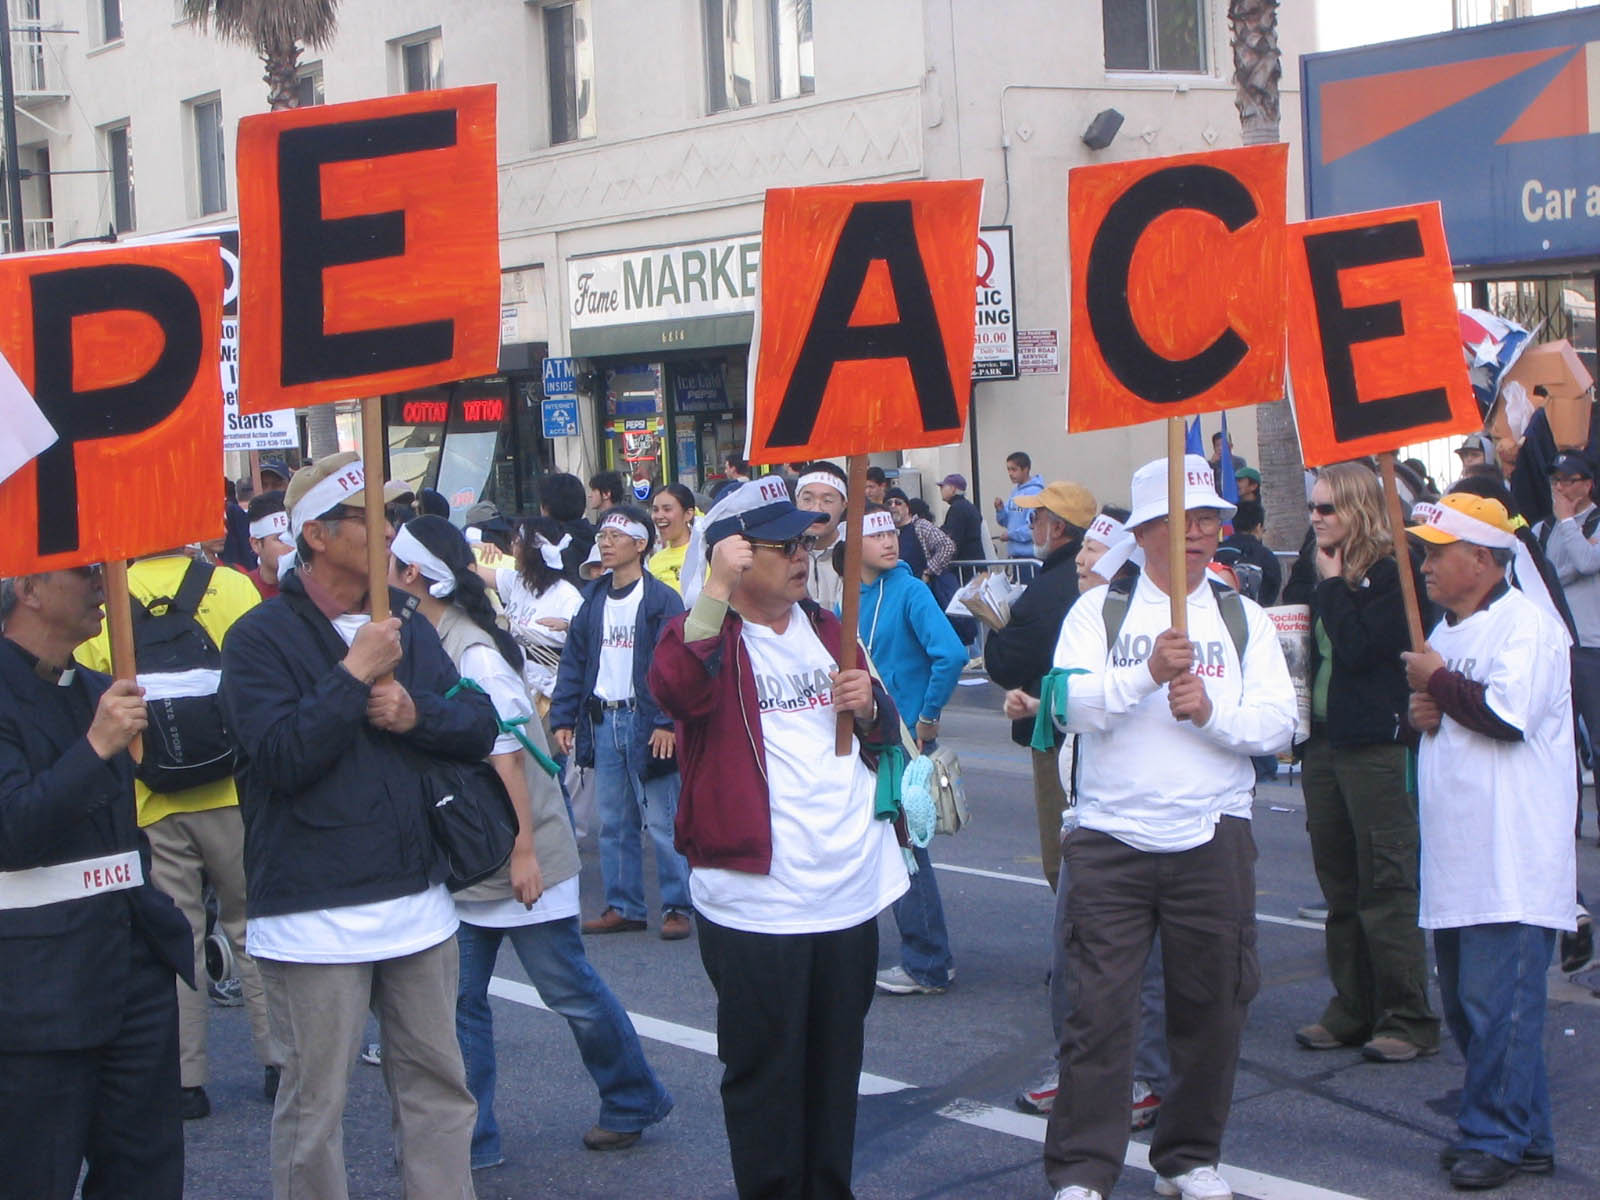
(793, 69)
(569, 59)
(308, 87)
(421, 62)
(119, 154)
(210, 167)
(110, 20)
(1154, 35)
(731, 53)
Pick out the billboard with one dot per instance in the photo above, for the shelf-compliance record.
(1499, 123)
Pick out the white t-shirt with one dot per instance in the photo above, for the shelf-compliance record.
(484, 666)
(525, 610)
(617, 626)
(355, 933)
(1145, 778)
(1496, 817)
(834, 865)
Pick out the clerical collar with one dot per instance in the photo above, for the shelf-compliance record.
(60, 676)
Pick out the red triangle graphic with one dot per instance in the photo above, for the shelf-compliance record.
(1358, 112)
(875, 305)
(1561, 110)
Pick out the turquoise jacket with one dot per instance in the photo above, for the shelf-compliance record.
(917, 653)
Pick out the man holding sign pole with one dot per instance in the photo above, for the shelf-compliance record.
(1162, 841)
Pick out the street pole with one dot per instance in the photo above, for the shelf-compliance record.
(8, 119)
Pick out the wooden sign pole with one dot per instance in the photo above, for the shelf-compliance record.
(850, 603)
(119, 628)
(1177, 526)
(1402, 550)
(377, 523)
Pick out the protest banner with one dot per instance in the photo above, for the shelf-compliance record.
(369, 259)
(1171, 316)
(864, 335)
(1375, 348)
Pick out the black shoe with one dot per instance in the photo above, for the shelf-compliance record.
(1577, 948)
(1532, 1163)
(1477, 1171)
(194, 1104)
(269, 1082)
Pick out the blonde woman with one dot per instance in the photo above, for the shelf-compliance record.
(1360, 814)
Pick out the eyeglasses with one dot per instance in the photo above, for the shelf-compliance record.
(1205, 520)
(805, 541)
(1321, 510)
(607, 536)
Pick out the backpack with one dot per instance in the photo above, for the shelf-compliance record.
(187, 742)
(1590, 524)
(1120, 592)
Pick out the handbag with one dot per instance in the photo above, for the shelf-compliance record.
(470, 817)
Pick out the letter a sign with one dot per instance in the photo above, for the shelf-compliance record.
(370, 254)
(865, 321)
(1177, 285)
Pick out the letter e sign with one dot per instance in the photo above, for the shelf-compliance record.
(119, 349)
(1374, 341)
(865, 318)
(1177, 269)
(369, 247)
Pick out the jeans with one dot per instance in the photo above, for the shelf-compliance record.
(1492, 982)
(626, 802)
(919, 915)
(551, 952)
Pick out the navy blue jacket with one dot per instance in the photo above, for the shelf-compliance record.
(334, 810)
(580, 665)
(65, 976)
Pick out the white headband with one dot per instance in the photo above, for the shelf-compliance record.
(1462, 527)
(1120, 551)
(413, 553)
(877, 522)
(823, 477)
(1104, 529)
(265, 527)
(627, 524)
(551, 551)
(327, 495)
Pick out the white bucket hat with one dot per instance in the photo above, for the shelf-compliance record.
(1150, 490)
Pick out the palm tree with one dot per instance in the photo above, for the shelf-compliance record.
(1257, 67)
(277, 30)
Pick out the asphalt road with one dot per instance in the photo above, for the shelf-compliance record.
(936, 1117)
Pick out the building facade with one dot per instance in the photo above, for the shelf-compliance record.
(636, 141)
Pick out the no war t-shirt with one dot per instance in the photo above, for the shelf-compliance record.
(617, 625)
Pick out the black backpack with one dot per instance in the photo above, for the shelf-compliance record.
(187, 743)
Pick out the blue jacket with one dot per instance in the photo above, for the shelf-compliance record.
(1019, 533)
(911, 642)
(580, 665)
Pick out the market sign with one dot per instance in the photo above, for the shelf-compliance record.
(1499, 123)
(994, 348)
(666, 283)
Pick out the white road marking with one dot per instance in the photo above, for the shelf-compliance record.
(967, 1112)
(1035, 881)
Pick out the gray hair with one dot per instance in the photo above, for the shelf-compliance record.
(1501, 556)
(8, 597)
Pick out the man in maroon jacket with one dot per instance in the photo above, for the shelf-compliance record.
(792, 857)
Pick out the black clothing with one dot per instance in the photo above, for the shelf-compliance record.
(964, 523)
(333, 810)
(1020, 655)
(577, 551)
(236, 550)
(1252, 551)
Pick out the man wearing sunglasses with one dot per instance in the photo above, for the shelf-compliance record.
(793, 855)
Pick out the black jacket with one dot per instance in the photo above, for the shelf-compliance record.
(1367, 694)
(964, 523)
(64, 967)
(1020, 655)
(1252, 550)
(333, 811)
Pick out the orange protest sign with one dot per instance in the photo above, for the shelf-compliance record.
(369, 247)
(1374, 341)
(1176, 293)
(865, 323)
(119, 349)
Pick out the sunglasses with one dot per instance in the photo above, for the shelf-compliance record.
(804, 541)
(1322, 510)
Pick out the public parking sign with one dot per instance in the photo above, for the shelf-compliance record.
(994, 348)
(560, 413)
(560, 377)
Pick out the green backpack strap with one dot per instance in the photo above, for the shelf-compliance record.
(1229, 603)
(1114, 614)
(513, 727)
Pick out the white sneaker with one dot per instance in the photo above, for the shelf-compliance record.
(1202, 1183)
(1077, 1193)
(897, 981)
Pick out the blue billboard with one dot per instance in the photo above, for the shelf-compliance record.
(1499, 123)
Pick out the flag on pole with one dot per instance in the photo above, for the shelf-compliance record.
(1227, 480)
(1195, 443)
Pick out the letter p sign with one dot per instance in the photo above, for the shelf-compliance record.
(370, 247)
(119, 349)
